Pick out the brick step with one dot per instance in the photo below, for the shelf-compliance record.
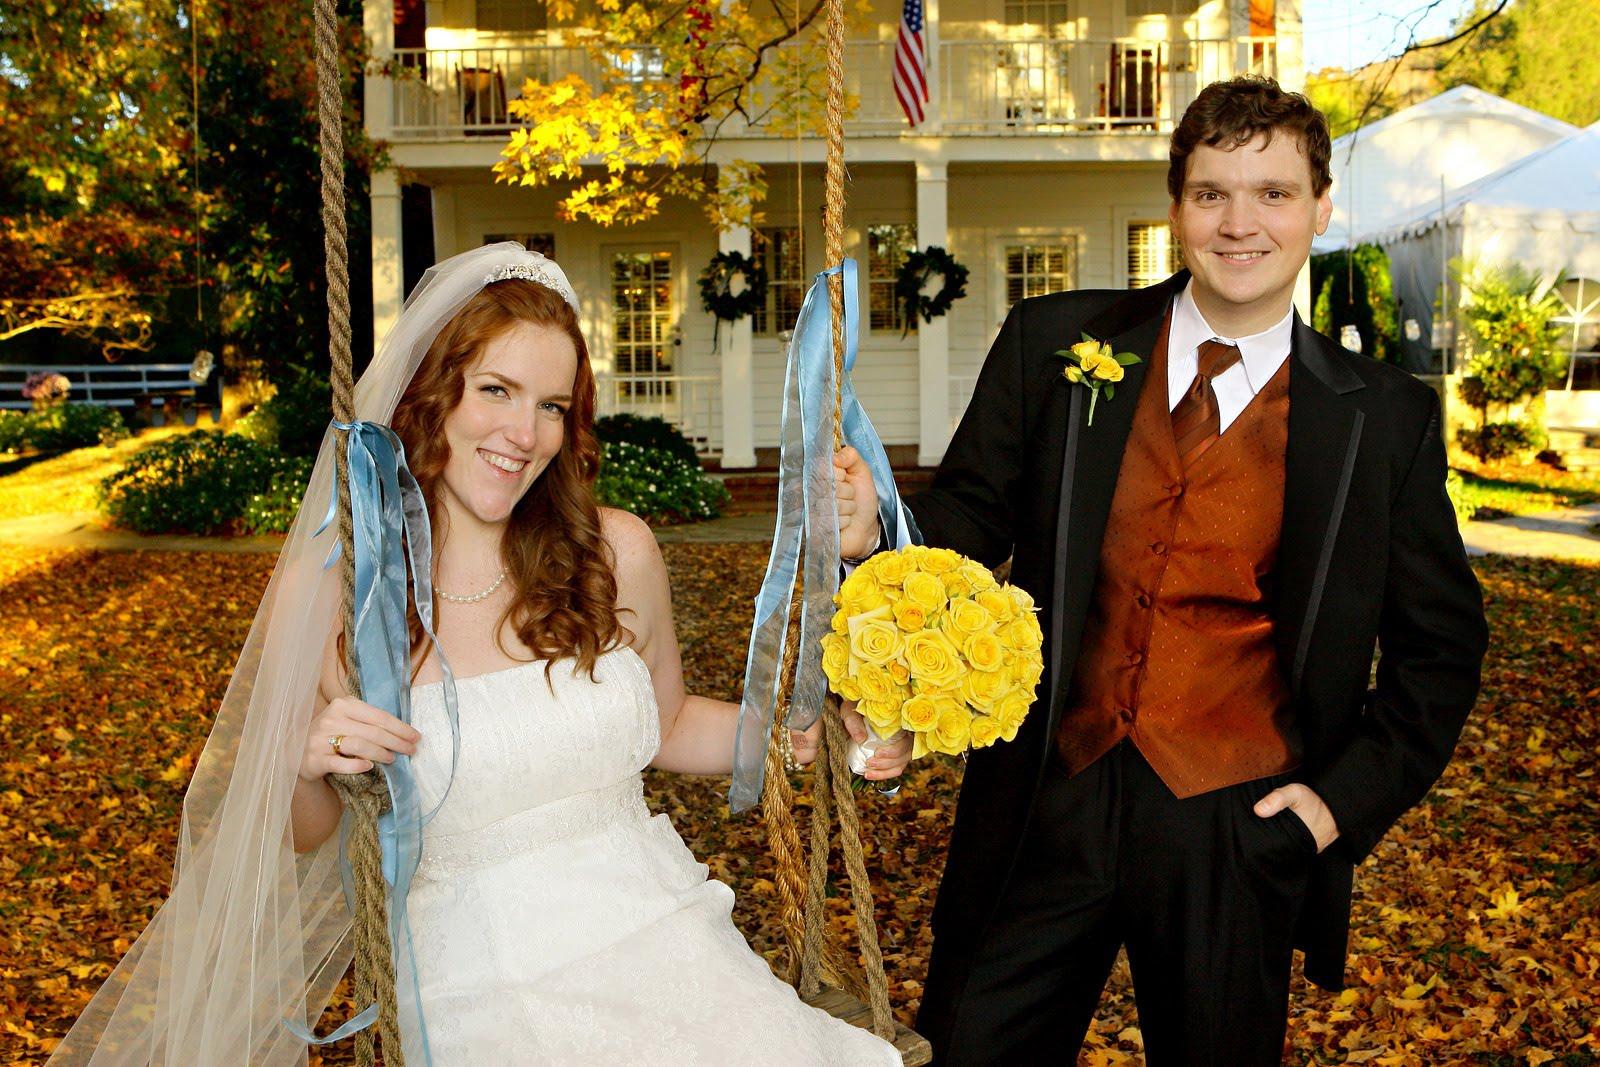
(1578, 459)
(1572, 438)
(757, 490)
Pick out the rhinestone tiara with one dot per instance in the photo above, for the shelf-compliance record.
(541, 271)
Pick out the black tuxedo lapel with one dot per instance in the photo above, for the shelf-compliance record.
(1324, 435)
(1090, 463)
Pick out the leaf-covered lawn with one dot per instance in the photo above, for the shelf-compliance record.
(1495, 490)
(47, 485)
(1475, 940)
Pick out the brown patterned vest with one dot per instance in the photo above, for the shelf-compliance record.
(1178, 649)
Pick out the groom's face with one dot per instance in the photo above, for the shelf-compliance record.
(1245, 222)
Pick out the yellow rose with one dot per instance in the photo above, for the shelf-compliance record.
(939, 561)
(841, 622)
(884, 715)
(848, 688)
(952, 732)
(977, 575)
(835, 657)
(1084, 349)
(909, 616)
(933, 658)
(985, 731)
(900, 672)
(875, 639)
(984, 651)
(1021, 599)
(919, 713)
(982, 688)
(955, 584)
(1104, 367)
(1023, 634)
(855, 584)
(892, 568)
(925, 591)
(1027, 671)
(875, 683)
(1010, 710)
(1072, 374)
(997, 603)
(863, 600)
(965, 618)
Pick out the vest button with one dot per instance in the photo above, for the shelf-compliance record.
(1125, 714)
(1143, 600)
(1176, 490)
(1135, 657)
(1159, 548)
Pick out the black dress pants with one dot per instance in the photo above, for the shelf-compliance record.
(1203, 892)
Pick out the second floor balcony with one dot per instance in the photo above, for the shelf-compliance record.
(1013, 88)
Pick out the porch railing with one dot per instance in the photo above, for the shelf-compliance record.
(118, 385)
(1005, 87)
(692, 403)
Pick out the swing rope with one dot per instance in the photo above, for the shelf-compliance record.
(821, 961)
(365, 796)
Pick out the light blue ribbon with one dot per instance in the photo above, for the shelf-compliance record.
(806, 538)
(390, 521)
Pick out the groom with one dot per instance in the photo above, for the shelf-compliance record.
(1215, 557)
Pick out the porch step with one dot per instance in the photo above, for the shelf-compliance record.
(1578, 459)
(1572, 438)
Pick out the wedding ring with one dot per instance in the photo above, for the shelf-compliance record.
(333, 742)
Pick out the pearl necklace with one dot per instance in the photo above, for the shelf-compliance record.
(473, 598)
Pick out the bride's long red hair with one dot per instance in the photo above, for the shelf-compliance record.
(555, 557)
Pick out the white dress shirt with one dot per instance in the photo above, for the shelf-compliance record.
(1261, 354)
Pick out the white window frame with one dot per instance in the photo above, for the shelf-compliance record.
(881, 338)
(1125, 217)
(1029, 235)
(606, 324)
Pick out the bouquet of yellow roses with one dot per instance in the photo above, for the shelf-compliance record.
(926, 640)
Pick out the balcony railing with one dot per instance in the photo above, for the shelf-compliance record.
(692, 403)
(1014, 88)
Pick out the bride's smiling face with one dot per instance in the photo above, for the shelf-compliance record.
(510, 422)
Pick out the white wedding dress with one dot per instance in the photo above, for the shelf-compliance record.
(556, 921)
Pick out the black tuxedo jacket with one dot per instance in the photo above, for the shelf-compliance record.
(1370, 556)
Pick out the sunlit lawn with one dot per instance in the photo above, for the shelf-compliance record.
(1499, 489)
(43, 485)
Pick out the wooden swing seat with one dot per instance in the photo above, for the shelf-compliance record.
(913, 1047)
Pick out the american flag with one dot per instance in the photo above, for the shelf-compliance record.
(910, 64)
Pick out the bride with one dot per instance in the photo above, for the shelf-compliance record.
(553, 920)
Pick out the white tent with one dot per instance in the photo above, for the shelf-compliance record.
(1389, 171)
(1541, 213)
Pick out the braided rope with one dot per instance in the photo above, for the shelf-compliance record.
(833, 196)
(783, 838)
(365, 796)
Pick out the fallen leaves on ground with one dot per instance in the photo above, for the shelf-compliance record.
(1475, 937)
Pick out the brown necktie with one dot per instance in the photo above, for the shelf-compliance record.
(1196, 422)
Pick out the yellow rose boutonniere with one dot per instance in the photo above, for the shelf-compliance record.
(1092, 363)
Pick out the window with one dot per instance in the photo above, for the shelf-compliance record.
(888, 244)
(777, 248)
(1037, 268)
(542, 243)
(512, 16)
(1579, 320)
(1048, 18)
(1152, 253)
(643, 319)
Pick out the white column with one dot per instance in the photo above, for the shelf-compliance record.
(377, 17)
(933, 69)
(1290, 32)
(388, 278)
(445, 242)
(933, 338)
(738, 372)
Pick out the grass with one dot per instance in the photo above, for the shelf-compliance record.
(41, 484)
(1495, 490)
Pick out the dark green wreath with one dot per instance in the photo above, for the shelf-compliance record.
(914, 274)
(716, 286)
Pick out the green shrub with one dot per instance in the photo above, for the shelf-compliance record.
(13, 430)
(1455, 488)
(273, 509)
(646, 431)
(657, 485)
(294, 418)
(1355, 288)
(199, 483)
(66, 426)
(1500, 440)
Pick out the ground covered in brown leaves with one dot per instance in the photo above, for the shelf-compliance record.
(1476, 938)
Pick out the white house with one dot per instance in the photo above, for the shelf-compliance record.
(1041, 166)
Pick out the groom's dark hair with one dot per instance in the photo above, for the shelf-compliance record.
(1231, 114)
